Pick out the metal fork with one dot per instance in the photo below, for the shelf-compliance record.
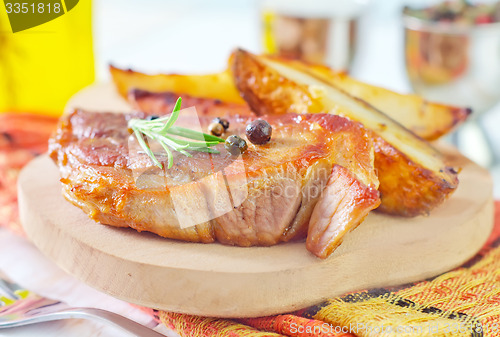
(22, 307)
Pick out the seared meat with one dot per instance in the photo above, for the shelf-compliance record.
(161, 103)
(315, 176)
(414, 176)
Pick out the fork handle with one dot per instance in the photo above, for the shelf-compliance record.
(115, 319)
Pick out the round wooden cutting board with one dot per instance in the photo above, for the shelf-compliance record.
(223, 281)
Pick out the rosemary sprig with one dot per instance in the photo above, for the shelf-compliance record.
(162, 129)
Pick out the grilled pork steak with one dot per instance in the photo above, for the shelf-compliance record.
(315, 178)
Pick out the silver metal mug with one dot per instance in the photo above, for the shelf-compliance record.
(453, 63)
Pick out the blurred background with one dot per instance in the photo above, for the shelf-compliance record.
(196, 36)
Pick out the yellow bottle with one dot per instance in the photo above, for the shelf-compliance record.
(43, 66)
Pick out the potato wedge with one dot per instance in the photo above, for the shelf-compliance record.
(219, 85)
(413, 175)
(426, 119)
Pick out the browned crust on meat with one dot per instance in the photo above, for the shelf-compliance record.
(163, 102)
(323, 237)
(96, 178)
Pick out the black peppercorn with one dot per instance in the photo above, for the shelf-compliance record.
(216, 129)
(221, 121)
(235, 145)
(259, 132)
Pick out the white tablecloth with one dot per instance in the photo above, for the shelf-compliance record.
(24, 264)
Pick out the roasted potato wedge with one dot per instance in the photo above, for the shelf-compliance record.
(426, 119)
(219, 85)
(413, 175)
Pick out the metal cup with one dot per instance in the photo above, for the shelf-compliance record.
(453, 63)
(458, 65)
(319, 31)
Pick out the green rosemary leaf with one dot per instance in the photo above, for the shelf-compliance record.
(192, 144)
(173, 117)
(177, 106)
(146, 148)
(162, 129)
(170, 156)
(188, 133)
(171, 143)
(187, 154)
(205, 149)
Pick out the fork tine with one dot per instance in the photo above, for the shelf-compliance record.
(9, 288)
(32, 309)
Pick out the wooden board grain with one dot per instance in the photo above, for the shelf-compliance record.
(217, 280)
